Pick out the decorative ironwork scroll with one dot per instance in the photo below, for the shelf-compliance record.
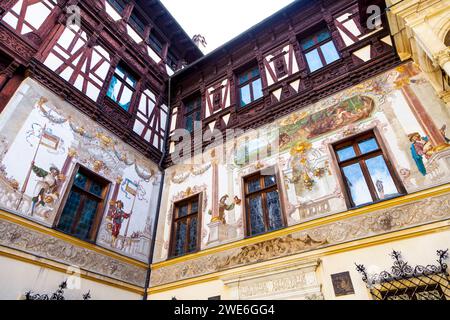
(404, 282)
(57, 295)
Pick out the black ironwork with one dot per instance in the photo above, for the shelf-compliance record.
(404, 282)
(57, 295)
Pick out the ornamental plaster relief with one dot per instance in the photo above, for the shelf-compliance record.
(291, 281)
(20, 238)
(370, 224)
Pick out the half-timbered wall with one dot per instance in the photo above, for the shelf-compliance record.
(288, 83)
(399, 107)
(43, 39)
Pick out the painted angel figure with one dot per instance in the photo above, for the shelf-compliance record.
(46, 191)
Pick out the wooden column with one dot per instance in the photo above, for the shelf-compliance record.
(10, 81)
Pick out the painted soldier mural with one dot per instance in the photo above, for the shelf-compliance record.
(117, 216)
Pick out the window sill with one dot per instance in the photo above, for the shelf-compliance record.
(249, 106)
(324, 68)
(377, 202)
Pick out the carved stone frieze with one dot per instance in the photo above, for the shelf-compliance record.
(20, 238)
(396, 218)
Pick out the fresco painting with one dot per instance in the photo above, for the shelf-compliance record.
(310, 184)
(40, 153)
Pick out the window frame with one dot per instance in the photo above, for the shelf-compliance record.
(361, 158)
(128, 74)
(263, 192)
(250, 82)
(317, 46)
(102, 202)
(187, 218)
(117, 5)
(155, 40)
(186, 113)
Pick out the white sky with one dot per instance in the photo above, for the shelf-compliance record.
(218, 20)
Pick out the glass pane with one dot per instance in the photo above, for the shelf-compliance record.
(193, 235)
(131, 81)
(256, 215)
(96, 189)
(245, 95)
(273, 206)
(313, 60)
(243, 77)
(80, 180)
(368, 145)
(114, 88)
(257, 89)
(381, 178)
(308, 43)
(253, 185)
(182, 211)
(255, 72)
(86, 219)
(189, 123)
(197, 116)
(346, 153)
(194, 207)
(125, 99)
(180, 238)
(357, 184)
(329, 52)
(269, 181)
(70, 210)
(323, 35)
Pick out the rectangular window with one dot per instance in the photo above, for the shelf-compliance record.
(118, 5)
(155, 44)
(84, 205)
(319, 50)
(249, 86)
(192, 112)
(172, 61)
(366, 171)
(185, 227)
(136, 22)
(122, 87)
(262, 204)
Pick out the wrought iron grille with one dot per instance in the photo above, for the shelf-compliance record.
(404, 282)
(57, 295)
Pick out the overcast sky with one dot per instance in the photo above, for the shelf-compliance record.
(218, 20)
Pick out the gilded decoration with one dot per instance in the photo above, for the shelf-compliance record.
(395, 218)
(180, 176)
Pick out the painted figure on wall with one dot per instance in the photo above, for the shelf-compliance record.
(117, 216)
(443, 130)
(223, 206)
(421, 147)
(47, 188)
